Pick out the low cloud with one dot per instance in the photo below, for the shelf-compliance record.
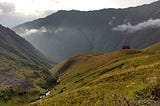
(40, 31)
(133, 28)
(28, 32)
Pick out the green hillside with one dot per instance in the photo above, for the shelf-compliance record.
(121, 78)
(24, 71)
(153, 48)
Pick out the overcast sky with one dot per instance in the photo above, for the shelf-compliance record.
(14, 12)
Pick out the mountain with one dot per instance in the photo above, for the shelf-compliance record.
(68, 33)
(14, 44)
(121, 78)
(24, 71)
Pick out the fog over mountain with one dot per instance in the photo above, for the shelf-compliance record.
(68, 33)
(140, 26)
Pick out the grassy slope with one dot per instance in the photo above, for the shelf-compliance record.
(21, 81)
(16, 45)
(120, 78)
(23, 70)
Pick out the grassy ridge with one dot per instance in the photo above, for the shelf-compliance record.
(21, 81)
(24, 71)
(125, 77)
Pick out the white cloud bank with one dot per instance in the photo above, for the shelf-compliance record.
(28, 32)
(133, 28)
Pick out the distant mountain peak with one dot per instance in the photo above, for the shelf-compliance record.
(92, 31)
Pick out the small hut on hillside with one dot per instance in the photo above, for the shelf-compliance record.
(126, 47)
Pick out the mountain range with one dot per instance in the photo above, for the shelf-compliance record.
(67, 33)
(127, 76)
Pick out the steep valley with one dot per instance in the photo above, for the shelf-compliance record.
(24, 71)
(107, 57)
